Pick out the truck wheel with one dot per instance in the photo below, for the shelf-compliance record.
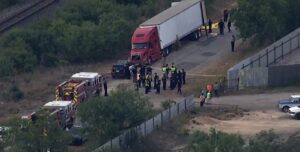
(285, 109)
(167, 51)
(196, 36)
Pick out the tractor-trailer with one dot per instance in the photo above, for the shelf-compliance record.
(155, 37)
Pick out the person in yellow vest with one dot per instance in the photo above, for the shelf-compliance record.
(164, 69)
(173, 68)
(139, 80)
(208, 97)
(147, 85)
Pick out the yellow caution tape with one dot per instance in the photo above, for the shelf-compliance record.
(214, 26)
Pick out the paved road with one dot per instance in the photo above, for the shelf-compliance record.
(254, 102)
(193, 56)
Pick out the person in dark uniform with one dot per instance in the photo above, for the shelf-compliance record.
(172, 81)
(149, 70)
(232, 43)
(134, 74)
(229, 26)
(221, 27)
(164, 81)
(105, 87)
(210, 26)
(225, 15)
(155, 80)
(179, 84)
(175, 79)
(158, 87)
(143, 71)
(179, 76)
(183, 76)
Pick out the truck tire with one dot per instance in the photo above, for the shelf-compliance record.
(167, 51)
(196, 36)
(285, 109)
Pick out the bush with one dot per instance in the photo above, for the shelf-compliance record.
(15, 93)
(167, 104)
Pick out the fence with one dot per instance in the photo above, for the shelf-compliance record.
(276, 53)
(270, 55)
(149, 126)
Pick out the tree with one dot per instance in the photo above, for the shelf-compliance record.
(264, 141)
(105, 117)
(265, 19)
(41, 135)
(215, 141)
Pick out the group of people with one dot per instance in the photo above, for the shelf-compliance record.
(143, 77)
(212, 90)
(221, 26)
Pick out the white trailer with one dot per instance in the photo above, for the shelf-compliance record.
(178, 21)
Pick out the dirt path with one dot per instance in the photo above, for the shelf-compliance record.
(263, 115)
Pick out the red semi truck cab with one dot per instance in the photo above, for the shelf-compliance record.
(145, 45)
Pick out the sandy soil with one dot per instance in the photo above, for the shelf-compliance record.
(251, 123)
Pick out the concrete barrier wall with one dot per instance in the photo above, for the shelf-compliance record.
(254, 77)
(284, 75)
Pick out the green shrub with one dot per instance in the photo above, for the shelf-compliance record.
(167, 104)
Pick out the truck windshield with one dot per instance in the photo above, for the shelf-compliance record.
(140, 46)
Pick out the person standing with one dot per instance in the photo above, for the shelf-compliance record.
(179, 84)
(183, 76)
(175, 79)
(155, 80)
(179, 75)
(232, 43)
(164, 69)
(139, 81)
(143, 71)
(216, 89)
(168, 70)
(210, 26)
(208, 97)
(158, 87)
(105, 87)
(164, 81)
(173, 68)
(229, 26)
(225, 15)
(202, 100)
(221, 27)
(146, 86)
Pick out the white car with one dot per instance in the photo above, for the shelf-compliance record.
(295, 112)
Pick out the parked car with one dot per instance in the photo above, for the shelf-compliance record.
(79, 136)
(286, 104)
(120, 69)
(294, 112)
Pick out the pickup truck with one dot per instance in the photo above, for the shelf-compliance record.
(286, 104)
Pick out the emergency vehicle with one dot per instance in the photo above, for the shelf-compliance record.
(79, 87)
(60, 112)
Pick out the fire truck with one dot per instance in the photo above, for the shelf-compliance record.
(79, 87)
(60, 112)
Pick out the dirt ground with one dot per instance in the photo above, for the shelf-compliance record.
(250, 124)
